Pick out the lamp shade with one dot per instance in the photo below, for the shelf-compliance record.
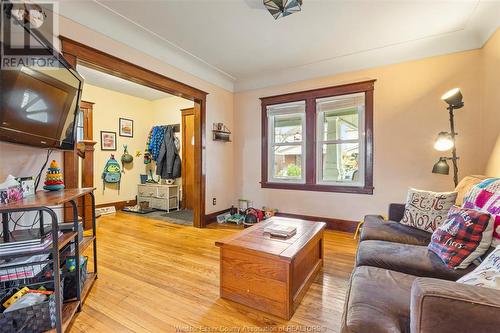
(282, 8)
(453, 98)
(444, 142)
(441, 167)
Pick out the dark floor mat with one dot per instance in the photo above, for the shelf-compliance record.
(183, 216)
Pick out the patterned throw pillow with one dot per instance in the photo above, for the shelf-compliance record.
(487, 274)
(485, 197)
(427, 210)
(463, 237)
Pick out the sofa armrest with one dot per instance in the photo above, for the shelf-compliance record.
(447, 306)
(396, 211)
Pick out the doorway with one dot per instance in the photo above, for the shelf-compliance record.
(77, 53)
(187, 158)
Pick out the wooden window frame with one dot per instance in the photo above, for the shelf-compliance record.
(310, 97)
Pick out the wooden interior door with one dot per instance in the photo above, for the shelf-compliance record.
(188, 158)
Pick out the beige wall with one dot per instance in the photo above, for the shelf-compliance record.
(167, 111)
(109, 106)
(408, 114)
(219, 157)
(490, 103)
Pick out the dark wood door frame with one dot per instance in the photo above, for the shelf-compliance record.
(88, 123)
(85, 150)
(185, 112)
(78, 53)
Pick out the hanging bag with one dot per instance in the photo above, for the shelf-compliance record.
(112, 173)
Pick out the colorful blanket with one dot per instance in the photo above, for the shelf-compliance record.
(485, 197)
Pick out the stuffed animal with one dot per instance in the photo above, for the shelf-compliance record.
(269, 212)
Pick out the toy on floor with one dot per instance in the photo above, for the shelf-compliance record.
(54, 178)
(269, 212)
(236, 218)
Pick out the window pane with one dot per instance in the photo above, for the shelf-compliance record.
(341, 119)
(79, 133)
(341, 126)
(287, 128)
(287, 162)
(340, 162)
(80, 119)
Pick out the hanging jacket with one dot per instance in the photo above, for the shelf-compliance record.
(155, 140)
(168, 163)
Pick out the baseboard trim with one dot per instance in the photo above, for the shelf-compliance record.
(331, 223)
(119, 205)
(212, 217)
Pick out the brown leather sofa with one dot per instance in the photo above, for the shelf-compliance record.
(400, 286)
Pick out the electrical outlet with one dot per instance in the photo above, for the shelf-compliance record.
(214, 201)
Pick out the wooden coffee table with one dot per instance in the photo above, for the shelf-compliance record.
(271, 274)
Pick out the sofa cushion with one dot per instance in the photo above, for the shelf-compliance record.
(427, 210)
(375, 228)
(410, 259)
(463, 237)
(378, 301)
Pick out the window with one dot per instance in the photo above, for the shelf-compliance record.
(84, 121)
(340, 145)
(286, 144)
(79, 126)
(319, 140)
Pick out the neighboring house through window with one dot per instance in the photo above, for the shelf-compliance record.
(286, 143)
(319, 140)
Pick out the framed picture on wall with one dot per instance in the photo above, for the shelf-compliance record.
(108, 140)
(126, 127)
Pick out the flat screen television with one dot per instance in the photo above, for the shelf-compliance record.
(39, 105)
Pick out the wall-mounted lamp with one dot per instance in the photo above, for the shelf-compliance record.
(446, 140)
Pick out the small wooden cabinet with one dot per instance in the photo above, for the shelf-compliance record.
(163, 197)
(271, 274)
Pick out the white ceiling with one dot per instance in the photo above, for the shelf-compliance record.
(237, 43)
(110, 82)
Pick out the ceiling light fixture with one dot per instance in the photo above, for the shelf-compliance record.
(282, 8)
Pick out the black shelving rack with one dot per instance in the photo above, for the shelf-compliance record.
(47, 202)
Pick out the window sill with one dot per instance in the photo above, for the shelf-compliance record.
(319, 188)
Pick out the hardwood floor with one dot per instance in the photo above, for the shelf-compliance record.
(160, 277)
